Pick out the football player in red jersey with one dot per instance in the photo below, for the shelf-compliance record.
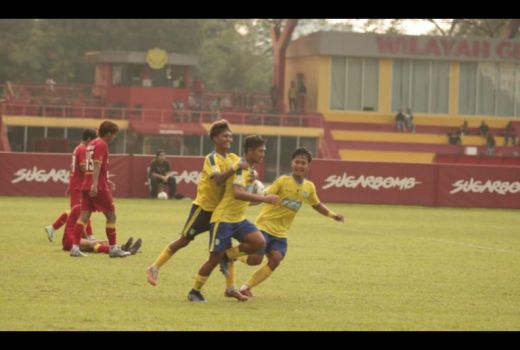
(77, 172)
(97, 190)
(92, 245)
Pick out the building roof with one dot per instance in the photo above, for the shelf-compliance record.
(405, 46)
(138, 57)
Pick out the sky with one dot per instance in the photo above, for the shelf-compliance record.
(409, 26)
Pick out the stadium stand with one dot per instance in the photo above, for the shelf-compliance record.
(375, 138)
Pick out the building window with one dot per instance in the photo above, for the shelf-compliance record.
(354, 84)
(421, 85)
(489, 89)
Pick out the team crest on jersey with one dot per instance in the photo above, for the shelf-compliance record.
(305, 194)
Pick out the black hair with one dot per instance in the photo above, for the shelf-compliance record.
(88, 134)
(217, 127)
(253, 141)
(302, 151)
(159, 151)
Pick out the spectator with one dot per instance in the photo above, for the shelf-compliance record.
(51, 85)
(510, 133)
(483, 129)
(408, 119)
(302, 93)
(400, 120)
(292, 98)
(490, 144)
(160, 173)
(454, 137)
(215, 108)
(464, 129)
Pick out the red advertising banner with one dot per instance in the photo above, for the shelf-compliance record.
(47, 174)
(34, 174)
(478, 186)
(382, 183)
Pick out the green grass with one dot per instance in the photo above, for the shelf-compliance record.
(386, 268)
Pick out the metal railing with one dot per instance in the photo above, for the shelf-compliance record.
(159, 115)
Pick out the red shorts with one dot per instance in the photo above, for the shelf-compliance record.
(102, 202)
(75, 197)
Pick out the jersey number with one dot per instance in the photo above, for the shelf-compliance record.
(89, 161)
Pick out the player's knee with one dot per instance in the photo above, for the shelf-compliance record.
(254, 260)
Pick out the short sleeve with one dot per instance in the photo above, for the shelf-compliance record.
(100, 152)
(312, 199)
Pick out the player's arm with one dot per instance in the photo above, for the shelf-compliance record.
(240, 193)
(95, 177)
(322, 209)
(154, 173)
(221, 178)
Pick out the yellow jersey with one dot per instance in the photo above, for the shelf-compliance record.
(209, 193)
(276, 219)
(231, 209)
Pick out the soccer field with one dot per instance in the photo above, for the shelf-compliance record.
(385, 268)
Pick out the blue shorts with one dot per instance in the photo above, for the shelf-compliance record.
(220, 234)
(273, 243)
(198, 222)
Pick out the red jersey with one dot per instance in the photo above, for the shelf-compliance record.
(76, 175)
(96, 152)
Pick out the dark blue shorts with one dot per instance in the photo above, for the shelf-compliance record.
(221, 233)
(273, 243)
(198, 222)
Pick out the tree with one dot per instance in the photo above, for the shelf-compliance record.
(281, 32)
(490, 28)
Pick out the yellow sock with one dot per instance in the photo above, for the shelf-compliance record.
(243, 259)
(234, 252)
(259, 276)
(199, 282)
(165, 255)
(230, 278)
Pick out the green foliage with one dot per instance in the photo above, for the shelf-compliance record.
(386, 268)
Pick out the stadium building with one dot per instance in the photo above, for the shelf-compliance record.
(354, 86)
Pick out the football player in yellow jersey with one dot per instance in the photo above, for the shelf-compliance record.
(275, 219)
(218, 166)
(229, 221)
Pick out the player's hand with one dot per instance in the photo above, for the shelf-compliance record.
(242, 165)
(339, 217)
(271, 198)
(253, 175)
(67, 191)
(93, 190)
(112, 185)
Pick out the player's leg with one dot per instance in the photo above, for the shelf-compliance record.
(275, 252)
(110, 230)
(219, 239)
(250, 243)
(94, 246)
(154, 184)
(56, 225)
(197, 222)
(78, 231)
(172, 187)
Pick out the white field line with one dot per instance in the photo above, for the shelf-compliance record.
(464, 244)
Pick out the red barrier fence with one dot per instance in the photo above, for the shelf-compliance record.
(37, 174)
